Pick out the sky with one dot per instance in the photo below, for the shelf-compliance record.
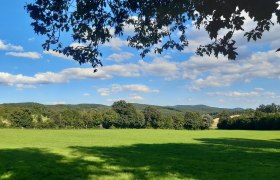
(30, 74)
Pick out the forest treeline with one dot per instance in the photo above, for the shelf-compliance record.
(265, 117)
(125, 115)
(120, 115)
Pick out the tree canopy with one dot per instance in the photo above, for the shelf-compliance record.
(92, 23)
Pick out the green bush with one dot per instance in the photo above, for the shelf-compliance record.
(257, 121)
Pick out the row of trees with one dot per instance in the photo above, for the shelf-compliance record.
(121, 115)
(266, 117)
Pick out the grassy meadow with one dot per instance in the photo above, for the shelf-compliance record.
(139, 154)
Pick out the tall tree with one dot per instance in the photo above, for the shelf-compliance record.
(128, 116)
(152, 117)
(193, 120)
(21, 118)
(92, 23)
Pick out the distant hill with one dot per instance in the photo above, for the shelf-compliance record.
(79, 107)
(99, 107)
(184, 108)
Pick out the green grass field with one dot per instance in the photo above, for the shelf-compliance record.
(139, 154)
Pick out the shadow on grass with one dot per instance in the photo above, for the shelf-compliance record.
(244, 143)
(32, 163)
(212, 159)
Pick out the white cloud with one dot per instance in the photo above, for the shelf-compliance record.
(132, 87)
(116, 43)
(31, 39)
(31, 55)
(259, 89)
(86, 94)
(76, 45)
(10, 47)
(114, 100)
(126, 70)
(219, 73)
(239, 94)
(50, 77)
(135, 98)
(104, 91)
(57, 54)
(24, 86)
(117, 88)
(160, 67)
(119, 57)
(202, 72)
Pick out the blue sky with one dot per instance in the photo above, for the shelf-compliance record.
(30, 74)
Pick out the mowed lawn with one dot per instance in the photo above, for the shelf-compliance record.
(139, 154)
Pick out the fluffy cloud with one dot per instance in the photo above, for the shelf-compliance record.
(254, 93)
(135, 98)
(219, 73)
(116, 43)
(104, 91)
(9, 47)
(117, 88)
(31, 55)
(160, 67)
(50, 77)
(24, 86)
(203, 72)
(56, 54)
(17, 51)
(119, 57)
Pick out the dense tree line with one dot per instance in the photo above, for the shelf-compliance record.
(266, 117)
(120, 115)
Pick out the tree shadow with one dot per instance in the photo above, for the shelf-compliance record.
(213, 159)
(32, 163)
(243, 143)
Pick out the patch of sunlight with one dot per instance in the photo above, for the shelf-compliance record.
(93, 158)
(122, 176)
(6, 175)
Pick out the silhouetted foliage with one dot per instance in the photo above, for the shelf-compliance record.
(93, 23)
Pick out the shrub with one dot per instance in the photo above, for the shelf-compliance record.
(257, 121)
